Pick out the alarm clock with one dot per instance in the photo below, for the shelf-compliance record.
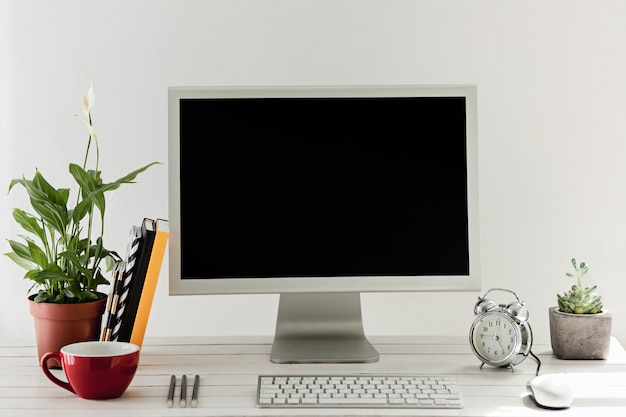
(500, 334)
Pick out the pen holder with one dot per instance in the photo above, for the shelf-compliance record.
(95, 370)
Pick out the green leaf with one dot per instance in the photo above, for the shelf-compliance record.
(42, 297)
(37, 254)
(88, 296)
(48, 202)
(96, 192)
(83, 179)
(81, 210)
(20, 249)
(39, 183)
(78, 266)
(23, 262)
(69, 292)
(52, 275)
(29, 223)
(128, 178)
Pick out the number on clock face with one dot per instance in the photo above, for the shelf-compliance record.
(495, 337)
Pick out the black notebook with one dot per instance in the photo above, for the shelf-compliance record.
(140, 248)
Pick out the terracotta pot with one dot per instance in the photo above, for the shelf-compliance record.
(57, 325)
(580, 336)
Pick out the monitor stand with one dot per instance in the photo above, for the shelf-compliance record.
(321, 328)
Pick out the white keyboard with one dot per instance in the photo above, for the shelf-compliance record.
(358, 391)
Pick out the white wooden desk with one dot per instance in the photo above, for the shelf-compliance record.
(228, 368)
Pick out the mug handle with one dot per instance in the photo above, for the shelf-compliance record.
(46, 370)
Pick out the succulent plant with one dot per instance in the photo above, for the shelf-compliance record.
(579, 299)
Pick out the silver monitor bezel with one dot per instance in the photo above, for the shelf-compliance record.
(179, 286)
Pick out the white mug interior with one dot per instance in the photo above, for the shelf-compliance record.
(99, 349)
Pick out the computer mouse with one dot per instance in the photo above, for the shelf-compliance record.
(551, 391)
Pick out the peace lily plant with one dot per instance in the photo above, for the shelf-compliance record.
(62, 248)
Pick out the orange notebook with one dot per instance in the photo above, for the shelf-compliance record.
(150, 283)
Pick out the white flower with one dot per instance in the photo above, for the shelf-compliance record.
(89, 101)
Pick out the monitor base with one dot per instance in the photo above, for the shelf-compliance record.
(321, 328)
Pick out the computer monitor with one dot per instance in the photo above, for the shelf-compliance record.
(321, 193)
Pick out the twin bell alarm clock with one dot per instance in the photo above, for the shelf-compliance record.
(500, 334)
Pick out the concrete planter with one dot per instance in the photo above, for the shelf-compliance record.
(580, 336)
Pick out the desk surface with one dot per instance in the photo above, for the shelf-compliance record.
(228, 369)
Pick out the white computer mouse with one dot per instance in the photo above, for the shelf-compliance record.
(551, 391)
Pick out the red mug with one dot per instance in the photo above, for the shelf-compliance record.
(95, 370)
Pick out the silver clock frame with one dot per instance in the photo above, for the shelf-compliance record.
(522, 344)
(516, 314)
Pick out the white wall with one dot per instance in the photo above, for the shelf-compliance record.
(552, 126)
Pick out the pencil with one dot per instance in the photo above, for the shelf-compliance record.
(183, 392)
(170, 395)
(194, 394)
(118, 275)
(105, 317)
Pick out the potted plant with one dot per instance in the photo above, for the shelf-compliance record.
(62, 248)
(580, 326)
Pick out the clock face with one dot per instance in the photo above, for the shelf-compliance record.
(495, 338)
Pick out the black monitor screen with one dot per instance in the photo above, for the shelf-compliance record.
(322, 187)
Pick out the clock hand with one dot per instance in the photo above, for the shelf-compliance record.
(495, 337)
(498, 340)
